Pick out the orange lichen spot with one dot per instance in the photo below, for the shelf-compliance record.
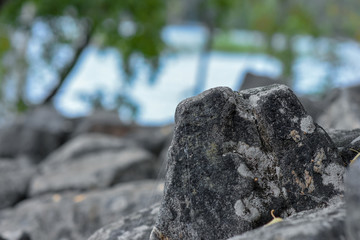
(79, 198)
(56, 198)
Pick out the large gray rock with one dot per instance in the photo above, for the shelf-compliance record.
(347, 142)
(36, 134)
(15, 176)
(153, 139)
(137, 226)
(92, 161)
(324, 224)
(344, 111)
(237, 155)
(352, 196)
(74, 216)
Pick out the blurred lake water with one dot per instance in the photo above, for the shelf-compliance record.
(99, 72)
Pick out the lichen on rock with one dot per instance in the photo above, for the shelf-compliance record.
(235, 156)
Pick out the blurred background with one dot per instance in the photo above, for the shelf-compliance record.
(88, 91)
(140, 58)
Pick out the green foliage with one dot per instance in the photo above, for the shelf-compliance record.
(133, 28)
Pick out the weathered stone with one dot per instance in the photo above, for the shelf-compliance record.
(14, 180)
(352, 197)
(344, 111)
(347, 142)
(324, 224)
(17, 235)
(137, 226)
(93, 161)
(152, 139)
(73, 215)
(35, 135)
(314, 107)
(237, 155)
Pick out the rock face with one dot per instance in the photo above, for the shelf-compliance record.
(326, 224)
(92, 161)
(37, 134)
(73, 215)
(235, 156)
(344, 111)
(136, 226)
(15, 176)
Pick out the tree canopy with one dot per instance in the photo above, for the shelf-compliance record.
(34, 34)
(42, 38)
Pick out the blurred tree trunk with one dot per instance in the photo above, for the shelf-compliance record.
(83, 43)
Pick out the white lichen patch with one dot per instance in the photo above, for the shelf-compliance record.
(307, 124)
(262, 160)
(295, 119)
(253, 99)
(333, 174)
(246, 209)
(244, 171)
(274, 189)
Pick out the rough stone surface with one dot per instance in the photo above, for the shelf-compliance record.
(314, 107)
(17, 235)
(347, 142)
(92, 161)
(37, 134)
(352, 197)
(344, 111)
(14, 181)
(137, 226)
(74, 216)
(237, 155)
(324, 224)
(152, 139)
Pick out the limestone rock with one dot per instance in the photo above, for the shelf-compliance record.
(352, 196)
(137, 226)
(35, 135)
(92, 161)
(324, 224)
(14, 180)
(344, 111)
(347, 142)
(74, 215)
(237, 155)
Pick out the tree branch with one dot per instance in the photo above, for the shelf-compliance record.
(67, 70)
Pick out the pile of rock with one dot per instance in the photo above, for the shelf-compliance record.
(72, 180)
(234, 158)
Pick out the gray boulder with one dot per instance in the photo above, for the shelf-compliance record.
(15, 176)
(35, 134)
(237, 155)
(324, 224)
(92, 161)
(352, 196)
(343, 112)
(137, 226)
(347, 142)
(73, 215)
